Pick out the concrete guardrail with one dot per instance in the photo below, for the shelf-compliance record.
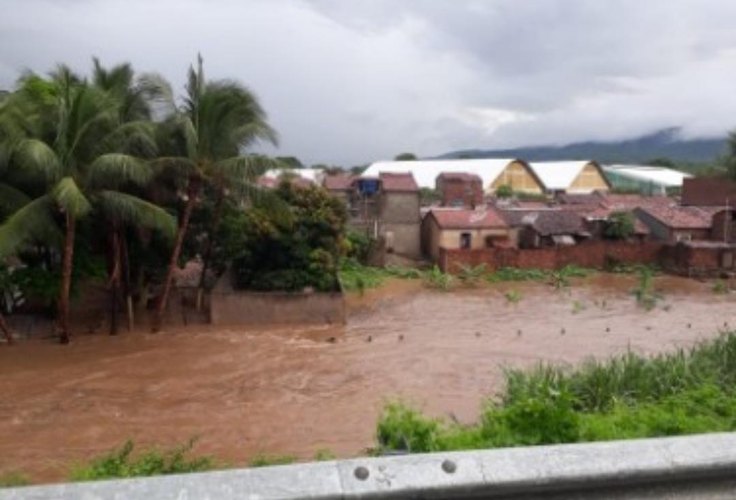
(702, 467)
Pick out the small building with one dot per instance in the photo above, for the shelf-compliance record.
(460, 189)
(340, 186)
(550, 227)
(709, 192)
(570, 176)
(723, 226)
(494, 173)
(461, 228)
(673, 223)
(646, 179)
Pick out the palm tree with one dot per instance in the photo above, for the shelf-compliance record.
(70, 148)
(207, 135)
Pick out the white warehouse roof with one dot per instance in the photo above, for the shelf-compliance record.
(425, 172)
(313, 175)
(558, 175)
(662, 176)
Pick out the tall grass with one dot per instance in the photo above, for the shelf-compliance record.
(122, 462)
(628, 396)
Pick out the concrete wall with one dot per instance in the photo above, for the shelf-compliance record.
(231, 307)
(402, 239)
(519, 177)
(399, 221)
(675, 468)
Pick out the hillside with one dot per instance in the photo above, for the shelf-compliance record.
(662, 144)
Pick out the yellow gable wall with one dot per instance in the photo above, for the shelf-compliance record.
(518, 177)
(589, 179)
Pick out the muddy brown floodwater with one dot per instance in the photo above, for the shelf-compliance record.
(291, 391)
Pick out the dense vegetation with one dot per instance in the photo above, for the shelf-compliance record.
(629, 396)
(110, 176)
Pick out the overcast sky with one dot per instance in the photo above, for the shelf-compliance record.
(353, 81)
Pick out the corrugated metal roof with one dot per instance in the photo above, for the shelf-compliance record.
(426, 171)
(558, 175)
(313, 175)
(658, 175)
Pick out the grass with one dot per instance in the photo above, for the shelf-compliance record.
(13, 479)
(472, 276)
(358, 277)
(122, 462)
(268, 460)
(720, 287)
(438, 280)
(644, 292)
(625, 397)
(513, 296)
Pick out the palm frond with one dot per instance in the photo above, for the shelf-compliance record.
(37, 160)
(136, 137)
(34, 221)
(114, 170)
(70, 198)
(11, 198)
(136, 211)
(247, 168)
(157, 90)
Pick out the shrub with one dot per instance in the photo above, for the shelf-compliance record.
(513, 296)
(121, 463)
(13, 479)
(620, 226)
(268, 460)
(403, 428)
(437, 279)
(504, 191)
(471, 275)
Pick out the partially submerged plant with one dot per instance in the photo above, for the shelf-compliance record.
(513, 296)
(435, 278)
(720, 287)
(645, 294)
(471, 276)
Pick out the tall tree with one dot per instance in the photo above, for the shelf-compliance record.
(69, 147)
(207, 135)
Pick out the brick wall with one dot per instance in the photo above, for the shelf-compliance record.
(468, 193)
(596, 254)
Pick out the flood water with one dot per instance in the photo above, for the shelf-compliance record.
(292, 391)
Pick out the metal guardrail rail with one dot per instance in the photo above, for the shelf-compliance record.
(702, 467)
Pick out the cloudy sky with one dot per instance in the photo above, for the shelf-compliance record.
(352, 81)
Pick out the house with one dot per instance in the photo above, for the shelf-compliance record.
(709, 191)
(340, 186)
(460, 189)
(494, 173)
(386, 207)
(462, 228)
(548, 227)
(570, 176)
(645, 179)
(673, 223)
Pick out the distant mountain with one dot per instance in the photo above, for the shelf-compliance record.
(662, 144)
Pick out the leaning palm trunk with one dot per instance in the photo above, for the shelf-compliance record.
(216, 216)
(6, 330)
(192, 193)
(66, 279)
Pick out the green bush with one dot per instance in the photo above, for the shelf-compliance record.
(471, 276)
(121, 463)
(435, 278)
(268, 460)
(13, 479)
(628, 396)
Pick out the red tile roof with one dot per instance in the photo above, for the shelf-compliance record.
(339, 182)
(485, 218)
(398, 182)
(679, 217)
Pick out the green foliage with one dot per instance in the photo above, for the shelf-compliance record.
(405, 157)
(620, 226)
(357, 277)
(513, 296)
(323, 455)
(435, 278)
(504, 191)
(516, 274)
(358, 246)
(268, 460)
(577, 306)
(122, 463)
(13, 479)
(720, 287)
(271, 254)
(645, 294)
(428, 196)
(471, 276)
(625, 397)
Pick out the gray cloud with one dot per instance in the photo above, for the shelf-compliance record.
(351, 82)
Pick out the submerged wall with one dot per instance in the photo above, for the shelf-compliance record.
(236, 307)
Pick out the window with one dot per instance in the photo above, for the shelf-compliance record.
(465, 239)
